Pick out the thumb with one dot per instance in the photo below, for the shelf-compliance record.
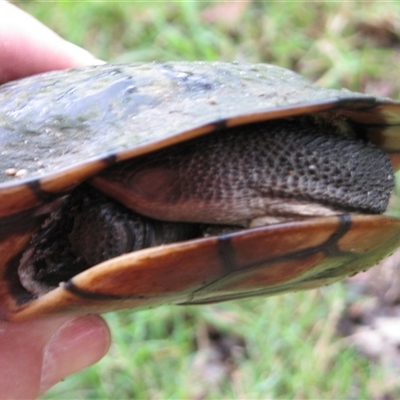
(35, 355)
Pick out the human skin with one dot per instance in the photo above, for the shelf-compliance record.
(28, 47)
(35, 355)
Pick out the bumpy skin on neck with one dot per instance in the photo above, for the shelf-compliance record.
(279, 168)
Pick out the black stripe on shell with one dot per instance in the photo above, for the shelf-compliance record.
(329, 248)
(43, 195)
(85, 294)
(227, 257)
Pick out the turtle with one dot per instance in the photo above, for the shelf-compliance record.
(134, 185)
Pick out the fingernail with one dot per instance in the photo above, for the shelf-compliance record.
(76, 345)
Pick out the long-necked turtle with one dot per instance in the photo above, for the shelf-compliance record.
(188, 183)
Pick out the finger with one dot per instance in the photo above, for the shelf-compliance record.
(76, 345)
(28, 47)
(37, 354)
(21, 349)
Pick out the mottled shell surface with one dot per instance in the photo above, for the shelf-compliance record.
(60, 128)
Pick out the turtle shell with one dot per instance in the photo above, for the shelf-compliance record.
(59, 129)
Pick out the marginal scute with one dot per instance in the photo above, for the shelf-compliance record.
(207, 280)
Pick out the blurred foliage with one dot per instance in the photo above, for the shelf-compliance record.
(283, 347)
(352, 44)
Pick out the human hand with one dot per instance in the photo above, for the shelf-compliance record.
(28, 47)
(35, 355)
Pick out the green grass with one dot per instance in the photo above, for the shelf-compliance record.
(283, 347)
(350, 44)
